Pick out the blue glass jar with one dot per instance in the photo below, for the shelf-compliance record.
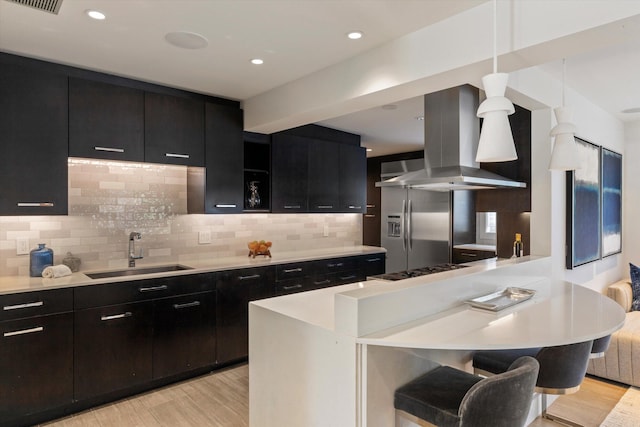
(39, 259)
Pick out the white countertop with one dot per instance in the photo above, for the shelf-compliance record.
(476, 247)
(13, 284)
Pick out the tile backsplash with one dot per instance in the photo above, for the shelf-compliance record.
(108, 200)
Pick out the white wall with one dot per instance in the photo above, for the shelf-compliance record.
(631, 197)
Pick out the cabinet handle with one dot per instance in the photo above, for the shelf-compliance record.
(116, 316)
(154, 288)
(226, 205)
(353, 276)
(292, 206)
(288, 288)
(35, 204)
(354, 207)
(369, 216)
(23, 331)
(322, 282)
(253, 276)
(339, 264)
(186, 305)
(177, 155)
(468, 254)
(293, 270)
(371, 206)
(324, 207)
(20, 306)
(109, 149)
(374, 259)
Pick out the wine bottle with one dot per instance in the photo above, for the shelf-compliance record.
(518, 247)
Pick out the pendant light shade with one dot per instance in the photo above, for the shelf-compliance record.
(496, 140)
(564, 156)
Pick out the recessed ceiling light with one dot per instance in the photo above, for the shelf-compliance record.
(186, 40)
(355, 35)
(95, 14)
(389, 107)
(257, 61)
(631, 110)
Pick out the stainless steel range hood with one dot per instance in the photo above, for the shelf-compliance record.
(451, 133)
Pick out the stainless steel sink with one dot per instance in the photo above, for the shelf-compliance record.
(137, 271)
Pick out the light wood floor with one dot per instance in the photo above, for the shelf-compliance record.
(221, 399)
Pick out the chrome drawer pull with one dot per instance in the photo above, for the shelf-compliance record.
(253, 276)
(371, 206)
(109, 149)
(369, 216)
(23, 331)
(348, 277)
(468, 254)
(340, 264)
(154, 288)
(35, 204)
(288, 288)
(324, 207)
(186, 305)
(373, 260)
(292, 206)
(177, 155)
(116, 316)
(355, 207)
(294, 270)
(26, 305)
(223, 205)
(322, 282)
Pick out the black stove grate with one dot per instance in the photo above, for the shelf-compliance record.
(438, 268)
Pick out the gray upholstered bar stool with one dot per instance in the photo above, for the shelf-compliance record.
(599, 347)
(450, 397)
(562, 368)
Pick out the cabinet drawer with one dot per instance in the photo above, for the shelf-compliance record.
(290, 271)
(141, 290)
(29, 304)
(470, 255)
(291, 286)
(335, 265)
(373, 264)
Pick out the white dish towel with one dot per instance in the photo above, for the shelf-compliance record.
(54, 271)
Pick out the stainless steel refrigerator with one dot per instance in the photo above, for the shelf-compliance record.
(416, 228)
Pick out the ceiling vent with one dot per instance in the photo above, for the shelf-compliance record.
(51, 6)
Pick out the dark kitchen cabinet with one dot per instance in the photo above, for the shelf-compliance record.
(106, 121)
(235, 289)
(34, 134)
(113, 348)
(184, 333)
(352, 179)
(324, 190)
(36, 354)
(257, 171)
(174, 130)
(461, 255)
(373, 264)
(289, 173)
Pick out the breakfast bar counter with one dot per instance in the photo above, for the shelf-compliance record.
(340, 353)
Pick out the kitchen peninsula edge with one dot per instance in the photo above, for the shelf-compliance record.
(340, 353)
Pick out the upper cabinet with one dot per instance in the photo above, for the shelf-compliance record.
(289, 171)
(174, 130)
(105, 121)
(33, 135)
(323, 176)
(353, 178)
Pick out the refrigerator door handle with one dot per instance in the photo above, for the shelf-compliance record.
(409, 231)
(403, 225)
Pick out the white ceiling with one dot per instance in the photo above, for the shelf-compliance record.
(294, 37)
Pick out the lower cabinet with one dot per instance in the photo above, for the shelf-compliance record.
(184, 334)
(235, 289)
(113, 348)
(36, 366)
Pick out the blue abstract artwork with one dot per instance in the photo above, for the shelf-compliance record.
(583, 208)
(611, 202)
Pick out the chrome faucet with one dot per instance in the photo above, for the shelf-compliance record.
(134, 235)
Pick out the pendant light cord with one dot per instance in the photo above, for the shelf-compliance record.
(495, 36)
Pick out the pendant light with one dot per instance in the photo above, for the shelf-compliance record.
(496, 140)
(564, 156)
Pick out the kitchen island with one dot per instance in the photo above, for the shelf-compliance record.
(335, 356)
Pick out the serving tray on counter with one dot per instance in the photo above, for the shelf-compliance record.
(497, 301)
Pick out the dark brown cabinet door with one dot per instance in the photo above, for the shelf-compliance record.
(353, 179)
(112, 348)
(105, 121)
(173, 130)
(36, 365)
(289, 171)
(323, 176)
(184, 334)
(224, 159)
(235, 289)
(33, 141)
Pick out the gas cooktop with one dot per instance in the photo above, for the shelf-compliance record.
(400, 275)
